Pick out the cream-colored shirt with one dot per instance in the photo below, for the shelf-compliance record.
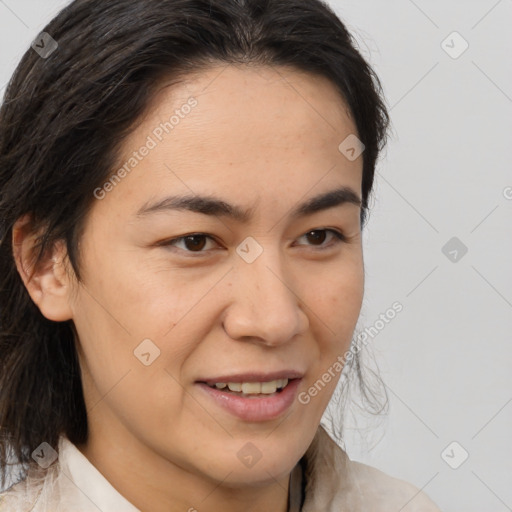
(330, 482)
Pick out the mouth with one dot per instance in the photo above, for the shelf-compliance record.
(253, 397)
(254, 389)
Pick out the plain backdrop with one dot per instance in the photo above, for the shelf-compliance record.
(439, 240)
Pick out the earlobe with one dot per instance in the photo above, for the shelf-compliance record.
(47, 281)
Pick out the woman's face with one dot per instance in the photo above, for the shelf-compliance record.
(266, 292)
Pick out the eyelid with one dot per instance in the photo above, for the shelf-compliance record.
(172, 242)
(339, 237)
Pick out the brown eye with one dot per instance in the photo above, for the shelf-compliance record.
(194, 243)
(317, 238)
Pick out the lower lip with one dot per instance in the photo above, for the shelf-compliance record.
(257, 407)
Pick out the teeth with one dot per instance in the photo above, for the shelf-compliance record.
(281, 383)
(253, 388)
(269, 387)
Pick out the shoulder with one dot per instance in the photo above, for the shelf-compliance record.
(36, 492)
(334, 482)
(383, 492)
(22, 496)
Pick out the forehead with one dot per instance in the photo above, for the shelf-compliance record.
(249, 131)
(244, 100)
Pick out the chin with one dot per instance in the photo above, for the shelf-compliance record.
(255, 462)
(259, 475)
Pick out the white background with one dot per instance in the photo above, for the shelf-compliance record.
(446, 358)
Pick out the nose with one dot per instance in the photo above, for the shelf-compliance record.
(265, 308)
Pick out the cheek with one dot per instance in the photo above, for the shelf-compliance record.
(335, 311)
(136, 377)
(136, 297)
(135, 312)
(336, 300)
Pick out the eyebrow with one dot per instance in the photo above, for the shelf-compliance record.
(208, 205)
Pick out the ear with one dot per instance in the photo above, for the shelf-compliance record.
(49, 281)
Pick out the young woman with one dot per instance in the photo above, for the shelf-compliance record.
(183, 189)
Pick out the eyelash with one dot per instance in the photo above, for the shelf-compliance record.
(339, 237)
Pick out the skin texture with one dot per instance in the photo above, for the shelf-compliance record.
(262, 138)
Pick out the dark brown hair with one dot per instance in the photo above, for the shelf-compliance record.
(63, 120)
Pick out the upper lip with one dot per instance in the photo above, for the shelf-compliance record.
(255, 377)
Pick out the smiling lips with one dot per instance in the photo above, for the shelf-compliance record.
(253, 388)
(256, 396)
(253, 383)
